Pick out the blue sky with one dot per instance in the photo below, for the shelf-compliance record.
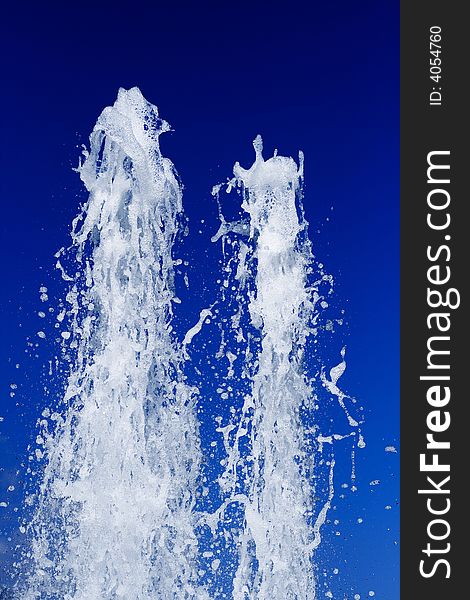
(320, 77)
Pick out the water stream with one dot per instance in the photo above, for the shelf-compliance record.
(117, 515)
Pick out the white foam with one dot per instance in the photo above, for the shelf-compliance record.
(275, 536)
(114, 517)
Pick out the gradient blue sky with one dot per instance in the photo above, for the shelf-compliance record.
(321, 77)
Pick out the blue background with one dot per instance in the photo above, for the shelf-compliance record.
(321, 77)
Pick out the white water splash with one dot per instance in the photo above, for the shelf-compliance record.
(114, 516)
(276, 541)
(276, 469)
(278, 497)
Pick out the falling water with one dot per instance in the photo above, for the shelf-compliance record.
(117, 514)
(270, 453)
(114, 515)
(277, 498)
